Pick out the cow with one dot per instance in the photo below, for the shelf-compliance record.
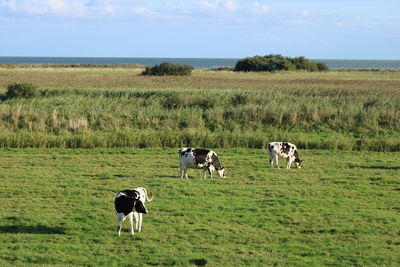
(200, 159)
(284, 150)
(129, 203)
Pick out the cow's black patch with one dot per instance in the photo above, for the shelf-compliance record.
(125, 204)
(215, 162)
(200, 155)
(285, 148)
(131, 193)
(297, 159)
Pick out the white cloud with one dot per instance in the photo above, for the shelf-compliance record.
(46, 7)
(260, 8)
(216, 6)
(229, 5)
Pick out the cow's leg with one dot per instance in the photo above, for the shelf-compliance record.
(182, 170)
(120, 217)
(136, 215)
(270, 158)
(288, 162)
(131, 222)
(140, 221)
(276, 161)
(204, 173)
(210, 172)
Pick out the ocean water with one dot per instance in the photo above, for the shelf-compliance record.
(207, 63)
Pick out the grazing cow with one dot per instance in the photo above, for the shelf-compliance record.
(200, 159)
(129, 203)
(284, 150)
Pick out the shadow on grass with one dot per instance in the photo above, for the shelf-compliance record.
(24, 229)
(167, 176)
(376, 167)
(198, 262)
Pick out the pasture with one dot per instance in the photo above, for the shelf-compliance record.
(341, 209)
(93, 131)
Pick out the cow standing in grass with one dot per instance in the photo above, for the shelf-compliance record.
(129, 203)
(200, 159)
(284, 150)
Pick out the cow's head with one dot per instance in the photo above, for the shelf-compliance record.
(140, 207)
(221, 172)
(298, 163)
(297, 160)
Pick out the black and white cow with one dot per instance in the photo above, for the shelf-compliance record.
(284, 150)
(200, 159)
(129, 203)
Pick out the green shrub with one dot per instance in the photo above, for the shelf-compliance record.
(21, 90)
(278, 62)
(274, 62)
(301, 63)
(322, 66)
(251, 64)
(167, 68)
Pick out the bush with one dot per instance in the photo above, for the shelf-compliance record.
(274, 62)
(301, 63)
(251, 64)
(167, 68)
(322, 66)
(21, 90)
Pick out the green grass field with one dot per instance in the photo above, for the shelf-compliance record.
(341, 209)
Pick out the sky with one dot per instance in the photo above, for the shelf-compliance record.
(316, 29)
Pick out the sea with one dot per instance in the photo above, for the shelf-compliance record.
(206, 63)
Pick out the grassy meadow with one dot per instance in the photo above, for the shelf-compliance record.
(341, 209)
(116, 107)
(92, 131)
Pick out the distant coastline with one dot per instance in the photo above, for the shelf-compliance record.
(206, 63)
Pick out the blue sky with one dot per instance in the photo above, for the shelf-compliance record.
(317, 29)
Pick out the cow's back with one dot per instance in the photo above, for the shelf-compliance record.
(282, 149)
(196, 157)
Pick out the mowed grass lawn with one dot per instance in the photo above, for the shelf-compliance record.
(341, 209)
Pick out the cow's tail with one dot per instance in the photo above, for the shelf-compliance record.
(151, 195)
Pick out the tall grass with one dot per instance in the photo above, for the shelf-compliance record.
(347, 112)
